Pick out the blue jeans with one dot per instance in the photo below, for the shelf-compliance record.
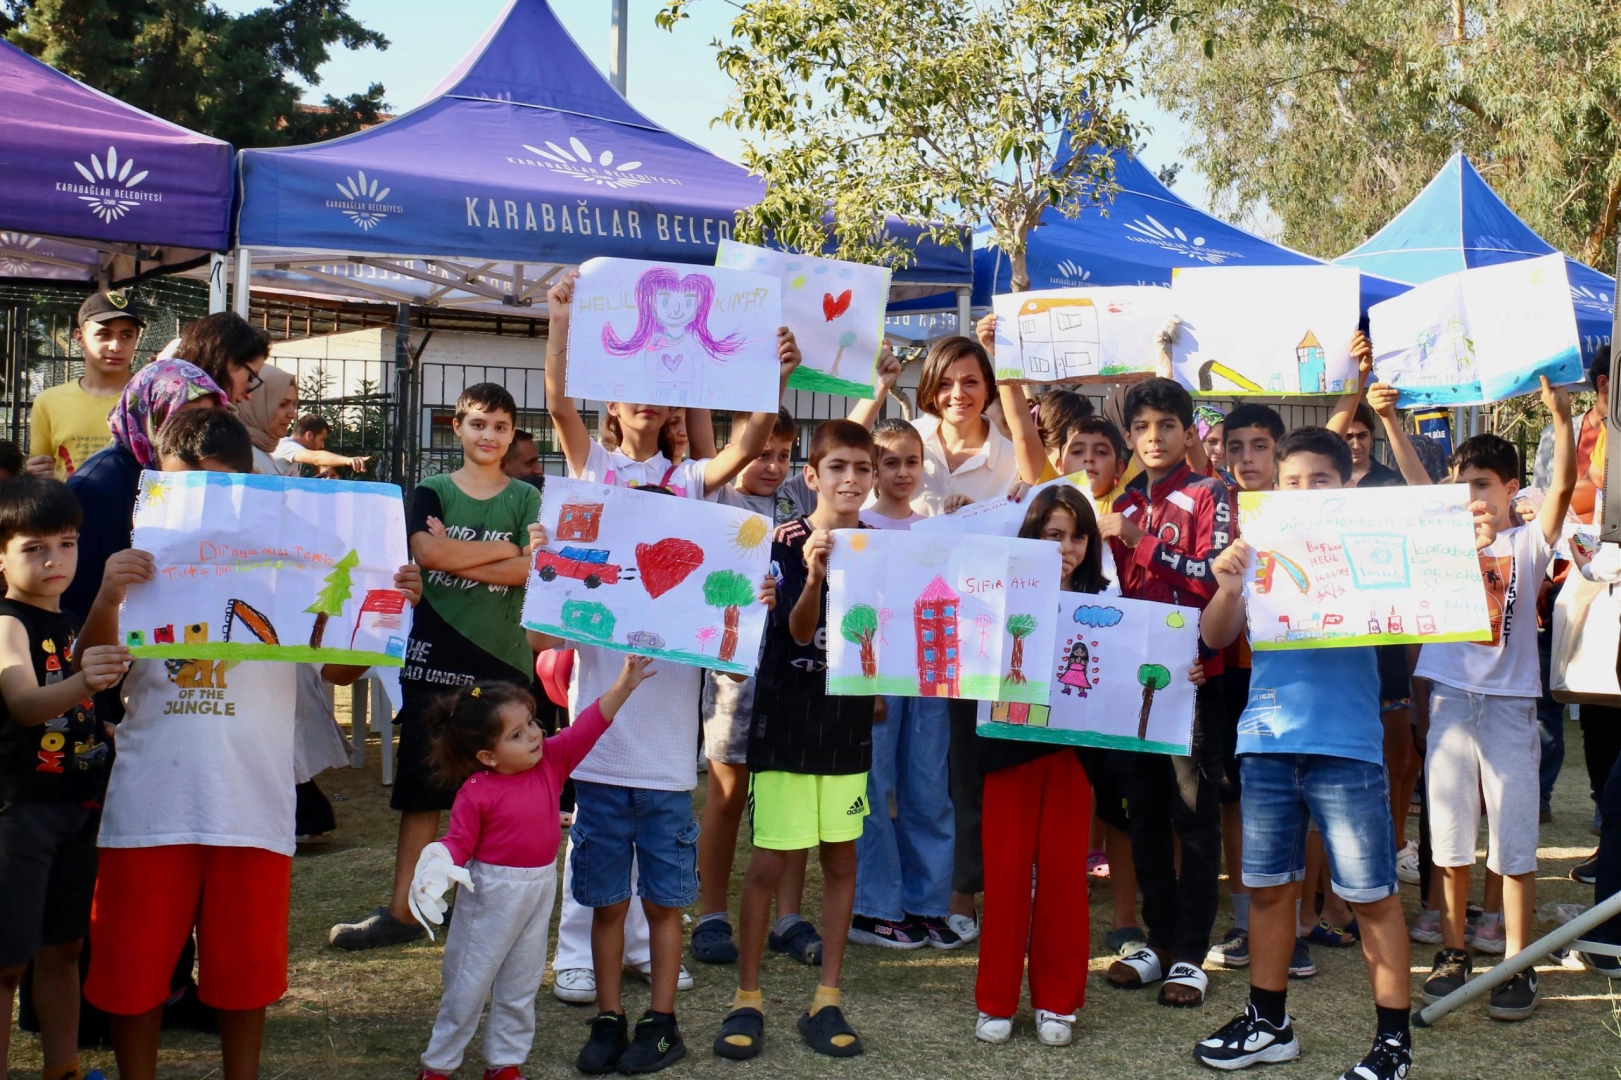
(1550, 722)
(903, 866)
(1349, 800)
(617, 824)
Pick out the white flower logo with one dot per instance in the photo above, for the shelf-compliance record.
(14, 247)
(1071, 273)
(1151, 231)
(108, 198)
(363, 203)
(601, 170)
(1581, 294)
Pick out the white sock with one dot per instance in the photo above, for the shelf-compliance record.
(786, 922)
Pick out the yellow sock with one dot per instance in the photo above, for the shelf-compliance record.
(69, 1071)
(748, 999)
(825, 996)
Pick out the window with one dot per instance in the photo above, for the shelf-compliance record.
(928, 656)
(950, 611)
(928, 635)
(951, 654)
(951, 671)
(951, 629)
(928, 613)
(928, 674)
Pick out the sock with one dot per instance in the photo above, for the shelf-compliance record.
(785, 923)
(825, 996)
(1241, 911)
(712, 917)
(1394, 1023)
(1271, 1005)
(748, 999)
(69, 1071)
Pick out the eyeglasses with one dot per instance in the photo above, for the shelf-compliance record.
(255, 380)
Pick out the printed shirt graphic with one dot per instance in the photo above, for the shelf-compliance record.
(604, 466)
(205, 756)
(1512, 568)
(1314, 701)
(65, 759)
(797, 726)
(67, 425)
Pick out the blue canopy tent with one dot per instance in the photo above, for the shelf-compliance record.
(1457, 222)
(522, 162)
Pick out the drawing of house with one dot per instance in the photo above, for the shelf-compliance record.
(1313, 365)
(934, 618)
(579, 521)
(1059, 338)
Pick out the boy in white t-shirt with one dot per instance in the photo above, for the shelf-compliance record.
(1482, 733)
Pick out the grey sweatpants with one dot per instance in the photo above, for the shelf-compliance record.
(496, 950)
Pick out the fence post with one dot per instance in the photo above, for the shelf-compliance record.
(402, 389)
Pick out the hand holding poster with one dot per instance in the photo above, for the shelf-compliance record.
(671, 334)
(933, 616)
(650, 574)
(1380, 566)
(1121, 669)
(268, 568)
(1480, 335)
(1266, 329)
(1080, 335)
(997, 517)
(834, 308)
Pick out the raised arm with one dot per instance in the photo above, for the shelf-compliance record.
(1382, 400)
(1223, 618)
(572, 436)
(1562, 482)
(807, 609)
(867, 410)
(323, 459)
(1339, 422)
(1027, 448)
(700, 434)
(740, 451)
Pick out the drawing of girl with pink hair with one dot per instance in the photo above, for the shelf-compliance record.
(672, 327)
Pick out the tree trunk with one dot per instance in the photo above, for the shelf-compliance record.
(1015, 674)
(1019, 278)
(834, 370)
(869, 660)
(1142, 718)
(1593, 250)
(728, 636)
(318, 631)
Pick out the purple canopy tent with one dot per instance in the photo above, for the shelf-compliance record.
(97, 189)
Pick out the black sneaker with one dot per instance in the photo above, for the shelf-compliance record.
(886, 934)
(1451, 970)
(376, 930)
(1248, 1040)
(1232, 952)
(656, 1045)
(1300, 962)
(607, 1043)
(1585, 872)
(941, 936)
(1515, 999)
(1390, 1059)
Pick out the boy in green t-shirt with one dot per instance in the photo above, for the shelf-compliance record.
(469, 531)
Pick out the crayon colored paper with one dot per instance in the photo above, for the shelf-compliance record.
(1087, 335)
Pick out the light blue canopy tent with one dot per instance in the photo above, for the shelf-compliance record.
(1458, 222)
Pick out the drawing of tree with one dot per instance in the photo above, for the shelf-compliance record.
(1152, 677)
(588, 619)
(729, 590)
(330, 600)
(846, 340)
(1021, 627)
(859, 627)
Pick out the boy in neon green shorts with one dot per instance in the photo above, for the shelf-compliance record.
(808, 753)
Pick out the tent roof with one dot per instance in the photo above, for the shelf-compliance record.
(523, 161)
(117, 182)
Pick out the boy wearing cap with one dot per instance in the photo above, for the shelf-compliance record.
(69, 422)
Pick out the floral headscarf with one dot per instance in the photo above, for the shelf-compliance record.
(155, 393)
(1206, 417)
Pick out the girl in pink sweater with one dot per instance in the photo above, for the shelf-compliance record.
(502, 850)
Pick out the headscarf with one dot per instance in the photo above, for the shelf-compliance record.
(1206, 417)
(156, 393)
(255, 413)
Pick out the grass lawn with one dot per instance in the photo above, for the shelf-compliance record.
(369, 1014)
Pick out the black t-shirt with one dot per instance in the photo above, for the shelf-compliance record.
(1381, 476)
(65, 759)
(798, 727)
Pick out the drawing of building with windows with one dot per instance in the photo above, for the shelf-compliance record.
(934, 617)
(579, 521)
(1059, 338)
(1313, 365)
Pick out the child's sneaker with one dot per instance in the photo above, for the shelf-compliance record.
(964, 926)
(1489, 937)
(602, 1051)
(993, 1029)
(1407, 864)
(1427, 930)
(1247, 1040)
(1053, 1029)
(505, 1072)
(1390, 1059)
(1515, 999)
(1451, 970)
(657, 1045)
(1232, 952)
(1300, 962)
(575, 986)
(887, 934)
(941, 935)
(1586, 871)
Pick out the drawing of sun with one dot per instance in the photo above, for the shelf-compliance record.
(154, 491)
(751, 532)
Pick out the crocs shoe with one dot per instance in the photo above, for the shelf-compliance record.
(712, 942)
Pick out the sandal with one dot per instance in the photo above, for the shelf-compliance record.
(1145, 966)
(821, 1031)
(712, 942)
(801, 942)
(742, 1033)
(1185, 974)
(1334, 937)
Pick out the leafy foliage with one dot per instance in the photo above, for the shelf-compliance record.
(1021, 626)
(189, 61)
(859, 624)
(337, 587)
(728, 588)
(1154, 676)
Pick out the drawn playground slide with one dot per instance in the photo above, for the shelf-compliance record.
(915, 615)
(1275, 330)
(269, 568)
(834, 308)
(679, 580)
(1104, 334)
(672, 334)
(1382, 566)
(1480, 335)
(1121, 679)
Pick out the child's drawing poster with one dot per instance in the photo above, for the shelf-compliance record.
(834, 308)
(1480, 335)
(997, 517)
(644, 573)
(921, 615)
(1089, 335)
(1279, 330)
(1376, 566)
(657, 333)
(1120, 679)
(268, 568)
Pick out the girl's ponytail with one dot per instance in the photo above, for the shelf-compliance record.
(461, 724)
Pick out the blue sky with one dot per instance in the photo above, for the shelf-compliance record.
(673, 77)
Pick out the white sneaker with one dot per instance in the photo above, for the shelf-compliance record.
(577, 986)
(993, 1029)
(964, 927)
(644, 972)
(1053, 1029)
(1407, 863)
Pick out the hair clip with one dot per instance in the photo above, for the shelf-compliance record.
(475, 691)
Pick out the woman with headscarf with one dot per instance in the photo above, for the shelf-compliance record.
(267, 415)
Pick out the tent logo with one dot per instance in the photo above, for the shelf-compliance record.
(599, 170)
(1150, 231)
(1071, 274)
(362, 201)
(14, 249)
(109, 190)
(1580, 294)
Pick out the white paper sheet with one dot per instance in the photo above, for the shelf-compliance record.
(1090, 335)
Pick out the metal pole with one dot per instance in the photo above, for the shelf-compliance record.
(240, 293)
(965, 314)
(1611, 531)
(402, 388)
(619, 45)
(216, 283)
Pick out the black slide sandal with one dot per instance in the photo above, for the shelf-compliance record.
(740, 1023)
(820, 1030)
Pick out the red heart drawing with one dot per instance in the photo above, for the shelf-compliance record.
(666, 564)
(832, 308)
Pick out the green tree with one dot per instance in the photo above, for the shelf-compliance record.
(1153, 677)
(944, 113)
(1020, 627)
(859, 626)
(1333, 114)
(731, 591)
(330, 600)
(235, 77)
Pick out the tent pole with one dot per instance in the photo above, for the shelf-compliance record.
(240, 295)
(619, 45)
(965, 315)
(402, 396)
(216, 283)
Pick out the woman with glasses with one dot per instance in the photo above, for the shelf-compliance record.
(229, 349)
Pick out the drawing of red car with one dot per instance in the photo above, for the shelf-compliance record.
(589, 565)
